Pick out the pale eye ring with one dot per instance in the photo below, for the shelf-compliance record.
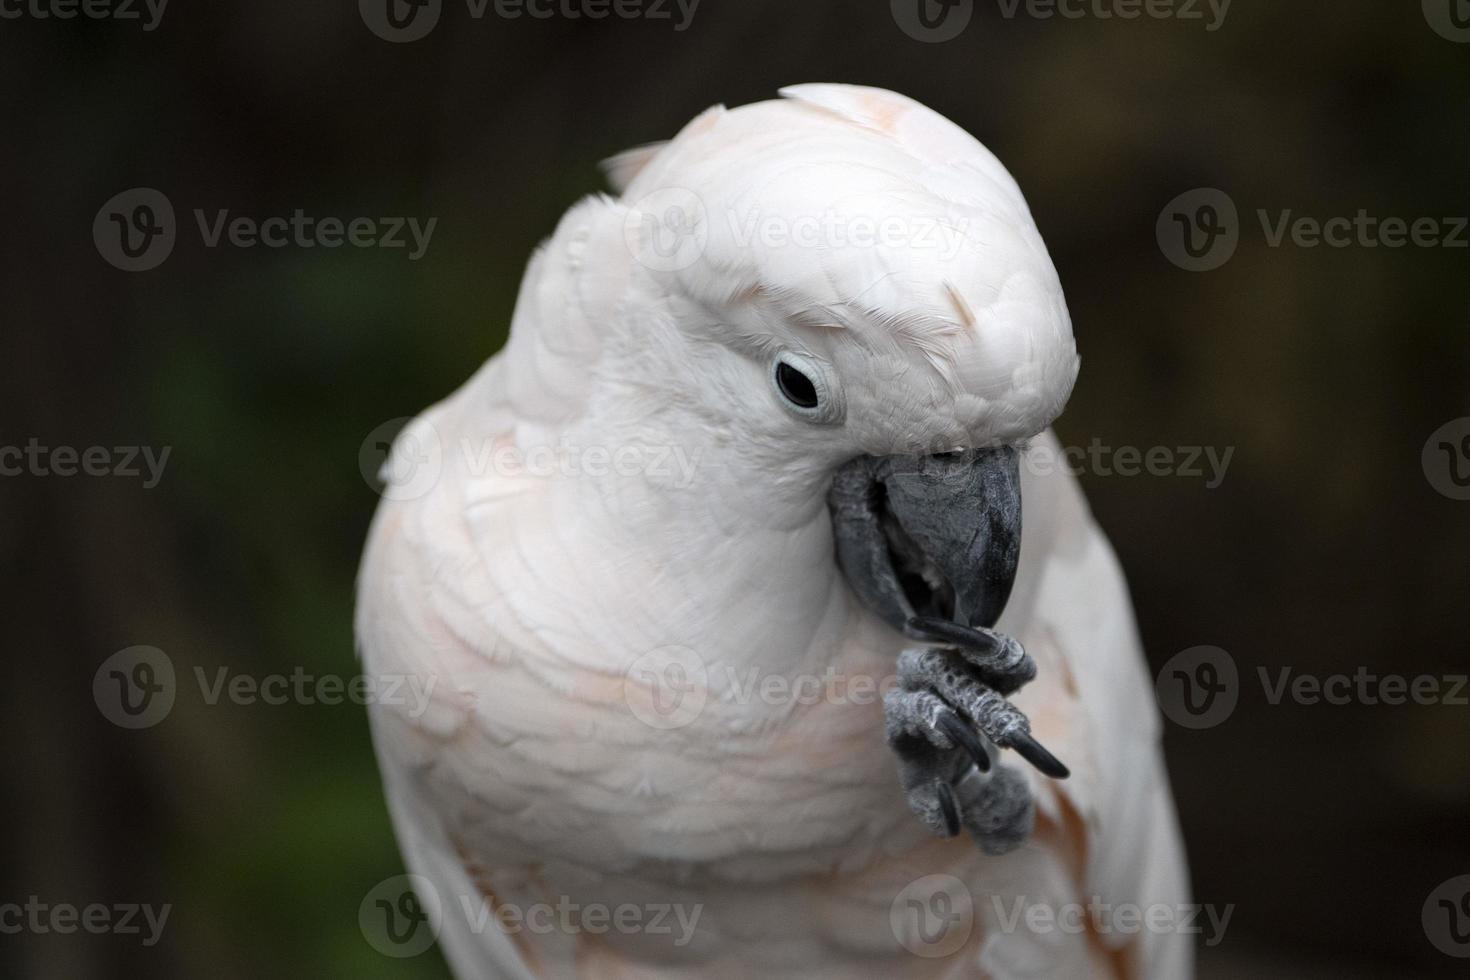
(804, 387)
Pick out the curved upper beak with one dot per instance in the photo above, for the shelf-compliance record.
(936, 536)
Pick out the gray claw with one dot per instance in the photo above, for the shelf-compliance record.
(954, 726)
(995, 717)
(949, 807)
(1033, 752)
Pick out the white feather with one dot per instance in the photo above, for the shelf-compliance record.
(525, 595)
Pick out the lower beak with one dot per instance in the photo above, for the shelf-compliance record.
(931, 536)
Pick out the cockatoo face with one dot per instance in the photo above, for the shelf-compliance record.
(868, 302)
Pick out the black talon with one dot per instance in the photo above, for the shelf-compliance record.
(934, 630)
(961, 735)
(949, 807)
(1033, 752)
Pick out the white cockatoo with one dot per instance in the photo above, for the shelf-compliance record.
(737, 667)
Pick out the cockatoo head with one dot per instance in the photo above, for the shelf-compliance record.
(842, 291)
(874, 260)
(860, 287)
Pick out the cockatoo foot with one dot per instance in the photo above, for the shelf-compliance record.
(949, 707)
(1000, 661)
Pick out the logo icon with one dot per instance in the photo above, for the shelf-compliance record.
(1446, 917)
(666, 688)
(932, 21)
(1199, 687)
(1199, 230)
(135, 230)
(1446, 459)
(135, 688)
(1449, 18)
(933, 916)
(667, 230)
(400, 21)
(402, 459)
(400, 916)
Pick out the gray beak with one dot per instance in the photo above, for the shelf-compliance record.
(936, 537)
(931, 545)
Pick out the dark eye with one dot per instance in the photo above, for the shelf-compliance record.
(797, 388)
(807, 388)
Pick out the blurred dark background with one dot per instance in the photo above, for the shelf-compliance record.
(1326, 547)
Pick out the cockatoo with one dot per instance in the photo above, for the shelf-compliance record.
(786, 388)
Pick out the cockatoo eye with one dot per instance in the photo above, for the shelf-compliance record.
(804, 388)
(797, 387)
